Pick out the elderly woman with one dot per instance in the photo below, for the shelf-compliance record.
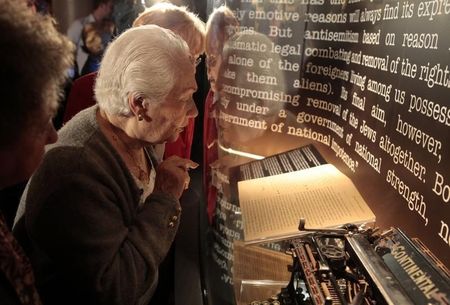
(33, 60)
(101, 212)
(169, 16)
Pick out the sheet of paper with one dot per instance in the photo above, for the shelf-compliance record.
(325, 197)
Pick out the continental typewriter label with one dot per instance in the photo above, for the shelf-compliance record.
(423, 284)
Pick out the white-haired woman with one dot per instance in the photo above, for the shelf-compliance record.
(101, 212)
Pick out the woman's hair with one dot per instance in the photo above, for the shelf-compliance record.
(143, 61)
(34, 59)
(179, 20)
(221, 25)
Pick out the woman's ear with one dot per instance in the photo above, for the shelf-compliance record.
(136, 103)
(137, 106)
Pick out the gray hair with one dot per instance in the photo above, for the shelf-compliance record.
(34, 59)
(142, 61)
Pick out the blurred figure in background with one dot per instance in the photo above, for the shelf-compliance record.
(34, 58)
(39, 6)
(96, 36)
(125, 12)
(102, 10)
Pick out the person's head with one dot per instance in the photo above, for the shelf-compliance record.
(103, 9)
(179, 20)
(147, 78)
(221, 25)
(34, 59)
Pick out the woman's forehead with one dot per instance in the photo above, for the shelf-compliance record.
(185, 87)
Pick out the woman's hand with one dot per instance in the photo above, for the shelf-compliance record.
(172, 176)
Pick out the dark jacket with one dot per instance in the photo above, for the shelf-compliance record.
(88, 241)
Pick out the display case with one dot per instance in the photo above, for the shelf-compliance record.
(364, 82)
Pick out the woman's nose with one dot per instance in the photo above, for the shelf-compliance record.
(193, 111)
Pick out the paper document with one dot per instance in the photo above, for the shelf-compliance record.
(272, 206)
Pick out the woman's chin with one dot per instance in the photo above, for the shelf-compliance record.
(173, 137)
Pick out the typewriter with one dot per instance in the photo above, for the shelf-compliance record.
(354, 266)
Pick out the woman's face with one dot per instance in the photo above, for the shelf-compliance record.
(30, 147)
(170, 117)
